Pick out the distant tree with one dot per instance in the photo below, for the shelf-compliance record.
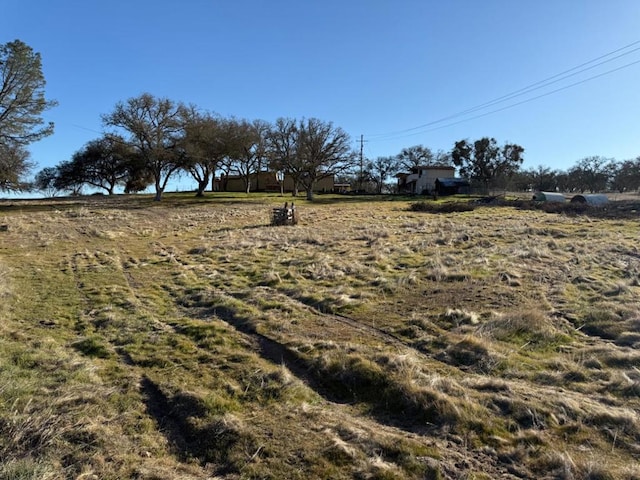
(415, 156)
(139, 177)
(442, 158)
(155, 128)
(592, 173)
(626, 175)
(14, 166)
(45, 181)
(69, 177)
(103, 163)
(22, 102)
(261, 153)
(282, 150)
(540, 178)
(323, 151)
(565, 182)
(484, 161)
(308, 150)
(380, 169)
(252, 152)
(205, 144)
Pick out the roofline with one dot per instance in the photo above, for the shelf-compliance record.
(434, 167)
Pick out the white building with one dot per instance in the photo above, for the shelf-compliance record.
(422, 180)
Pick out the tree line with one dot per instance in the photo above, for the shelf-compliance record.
(149, 140)
(153, 139)
(490, 166)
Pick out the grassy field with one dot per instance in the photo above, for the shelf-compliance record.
(189, 339)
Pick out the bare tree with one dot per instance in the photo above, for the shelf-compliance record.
(251, 154)
(592, 173)
(205, 144)
(626, 175)
(282, 148)
(155, 126)
(323, 151)
(416, 156)
(380, 169)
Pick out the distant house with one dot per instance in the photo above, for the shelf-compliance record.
(452, 186)
(422, 179)
(341, 187)
(267, 182)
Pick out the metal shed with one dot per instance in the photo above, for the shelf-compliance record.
(549, 197)
(595, 199)
(452, 186)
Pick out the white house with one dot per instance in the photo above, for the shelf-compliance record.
(422, 179)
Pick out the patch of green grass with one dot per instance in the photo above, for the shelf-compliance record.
(92, 347)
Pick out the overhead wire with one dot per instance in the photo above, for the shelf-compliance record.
(405, 135)
(517, 93)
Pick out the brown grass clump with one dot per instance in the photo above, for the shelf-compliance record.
(442, 207)
(470, 352)
(531, 329)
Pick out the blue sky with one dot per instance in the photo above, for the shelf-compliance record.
(378, 68)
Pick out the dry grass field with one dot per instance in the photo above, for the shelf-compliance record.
(190, 339)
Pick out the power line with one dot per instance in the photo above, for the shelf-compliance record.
(509, 106)
(523, 91)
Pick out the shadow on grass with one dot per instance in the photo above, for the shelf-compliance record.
(182, 419)
(279, 354)
(386, 403)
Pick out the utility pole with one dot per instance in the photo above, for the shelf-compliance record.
(361, 177)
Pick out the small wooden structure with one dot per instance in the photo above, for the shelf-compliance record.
(285, 216)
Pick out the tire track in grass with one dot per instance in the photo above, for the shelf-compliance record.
(278, 354)
(267, 348)
(371, 330)
(459, 457)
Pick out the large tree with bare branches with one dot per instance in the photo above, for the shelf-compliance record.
(205, 145)
(310, 150)
(282, 150)
(323, 151)
(155, 128)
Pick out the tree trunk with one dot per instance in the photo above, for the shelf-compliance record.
(159, 191)
(202, 185)
(310, 194)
